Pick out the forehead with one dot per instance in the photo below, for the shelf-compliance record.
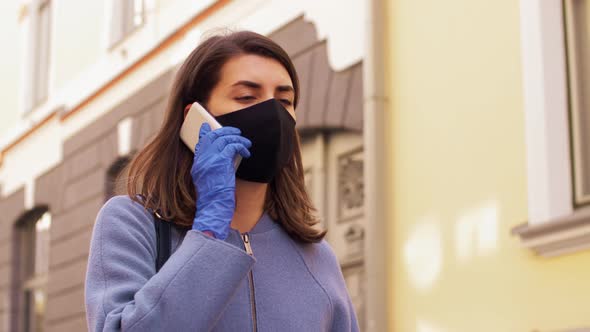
(262, 70)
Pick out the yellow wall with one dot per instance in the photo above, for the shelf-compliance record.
(459, 181)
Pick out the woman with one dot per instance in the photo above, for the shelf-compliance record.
(246, 252)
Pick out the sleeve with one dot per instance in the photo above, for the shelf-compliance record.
(123, 292)
(344, 316)
(343, 313)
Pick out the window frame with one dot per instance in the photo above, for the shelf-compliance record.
(31, 277)
(556, 225)
(33, 97)
(119, 19)
(578, 177)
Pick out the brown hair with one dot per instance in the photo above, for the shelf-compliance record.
(160, 172)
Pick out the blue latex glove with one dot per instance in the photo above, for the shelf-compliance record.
(214, 177)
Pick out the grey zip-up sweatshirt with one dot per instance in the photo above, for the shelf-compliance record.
(208, 284)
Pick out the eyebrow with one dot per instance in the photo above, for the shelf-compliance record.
(254, 85)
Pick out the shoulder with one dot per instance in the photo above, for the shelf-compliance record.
(319, 256)
(121, 220)
(323, 264)
(123, 204)
(122, 211)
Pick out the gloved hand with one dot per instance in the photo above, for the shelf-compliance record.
(214, 177)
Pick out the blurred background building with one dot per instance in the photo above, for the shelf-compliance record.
(444, 145)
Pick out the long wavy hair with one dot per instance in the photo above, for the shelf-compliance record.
(160, 172)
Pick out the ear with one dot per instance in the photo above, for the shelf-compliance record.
(186, 109)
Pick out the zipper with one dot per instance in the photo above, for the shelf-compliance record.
(246, 239)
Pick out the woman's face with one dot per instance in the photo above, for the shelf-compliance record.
(249, 79)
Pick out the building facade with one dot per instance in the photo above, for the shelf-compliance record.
(95, 78)
(487, 109)
(443, 144)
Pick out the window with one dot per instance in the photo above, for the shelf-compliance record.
(114, 184)
(39, 50)
(577, 20)
(127, 15)
(555, 50)
(33, 268)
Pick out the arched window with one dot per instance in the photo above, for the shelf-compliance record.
(112, 187)
(32, 267)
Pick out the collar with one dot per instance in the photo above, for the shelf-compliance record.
(264, 224)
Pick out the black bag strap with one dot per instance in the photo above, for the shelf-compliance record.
(163, 240)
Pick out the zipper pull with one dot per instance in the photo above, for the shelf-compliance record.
(246, 239)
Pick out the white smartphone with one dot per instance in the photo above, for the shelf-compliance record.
(189, 132)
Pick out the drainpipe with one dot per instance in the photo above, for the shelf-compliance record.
(378, 169)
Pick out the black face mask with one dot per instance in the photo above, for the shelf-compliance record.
(271, 129)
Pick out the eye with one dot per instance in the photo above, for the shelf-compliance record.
(245, 98)
(287, 102)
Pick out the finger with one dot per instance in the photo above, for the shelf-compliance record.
(222, 141)
(197, 147)
(231, 150)
(204, 130)
(202, 136)
(223, 131)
